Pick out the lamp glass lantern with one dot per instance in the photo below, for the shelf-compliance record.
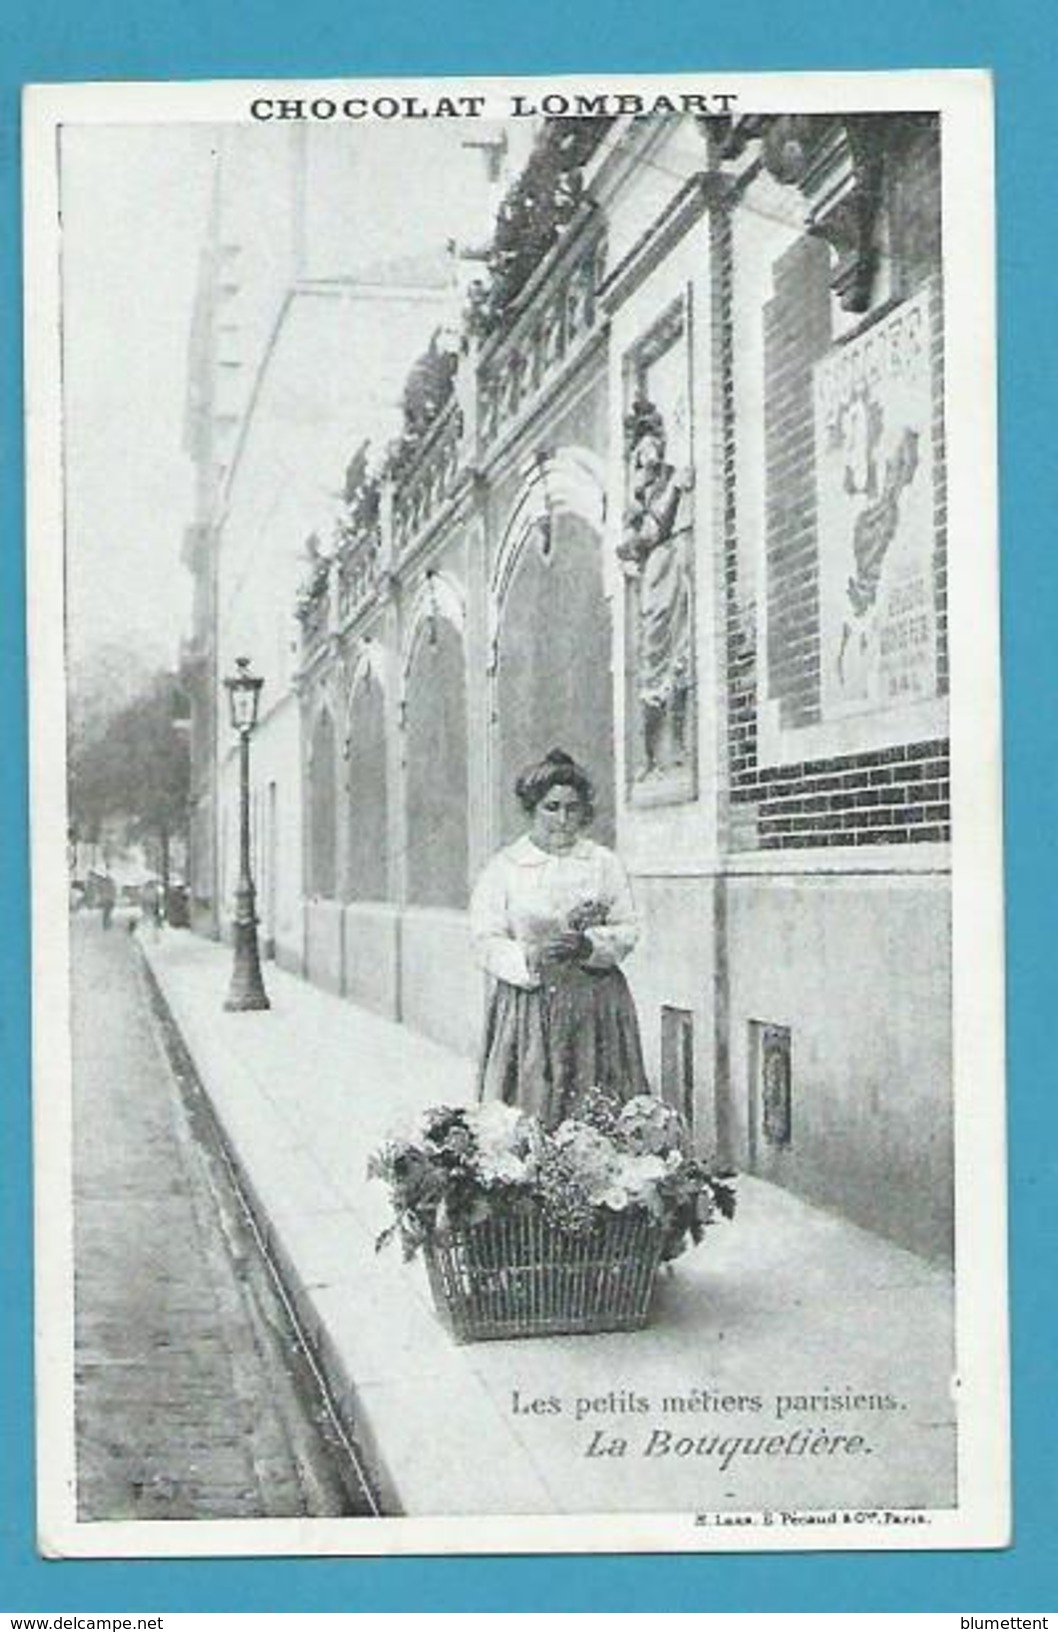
(244, 693)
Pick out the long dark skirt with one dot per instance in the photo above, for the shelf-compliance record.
(576, 1031)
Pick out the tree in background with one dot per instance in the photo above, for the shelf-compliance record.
(135, 769)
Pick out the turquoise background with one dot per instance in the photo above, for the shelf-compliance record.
(187, 39)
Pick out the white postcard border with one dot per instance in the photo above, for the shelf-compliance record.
(982, 1518)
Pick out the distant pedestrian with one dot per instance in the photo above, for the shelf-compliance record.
(152, 901)
(107, 897)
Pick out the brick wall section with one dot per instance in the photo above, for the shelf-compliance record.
(797, 334)
(896, 795)
(739, 750)
(892, 796)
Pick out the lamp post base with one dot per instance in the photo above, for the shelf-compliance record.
(247, 986)
(242, 998)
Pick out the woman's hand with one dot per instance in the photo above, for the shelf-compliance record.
(568, 947)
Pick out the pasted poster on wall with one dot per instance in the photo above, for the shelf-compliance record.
(875, 517)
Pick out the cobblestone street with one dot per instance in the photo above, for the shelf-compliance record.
(193, 1396)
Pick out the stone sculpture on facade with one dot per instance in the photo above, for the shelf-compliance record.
(312, 600)
(654, 557)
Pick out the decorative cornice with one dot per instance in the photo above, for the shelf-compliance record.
(577, 375)
(438, 531)
(710, 189)
(837, 164)
(556, 325)
(844, 180)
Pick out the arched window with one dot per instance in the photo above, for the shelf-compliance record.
(322, 825)
(367, 845)
(436, 757)
(554, 680)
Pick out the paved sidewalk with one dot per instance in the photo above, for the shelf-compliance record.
(787, 1301)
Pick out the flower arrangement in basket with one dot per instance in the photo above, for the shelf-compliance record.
(527, 1232)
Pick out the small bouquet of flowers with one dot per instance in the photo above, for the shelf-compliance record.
(587, 914)
(579, 918)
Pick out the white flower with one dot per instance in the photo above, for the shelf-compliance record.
(639, 1174)
(591, 1150)
(648, 1124)
(501, 1167)
(642, 1105)
(502, 1136)
(497, 1127)
(495, 1114)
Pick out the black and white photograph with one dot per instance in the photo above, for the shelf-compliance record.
(514, 669)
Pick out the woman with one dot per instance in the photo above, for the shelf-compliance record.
(552, 917)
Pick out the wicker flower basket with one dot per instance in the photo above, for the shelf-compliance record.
(521, 1277)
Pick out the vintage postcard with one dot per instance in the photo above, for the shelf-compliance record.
(513, 614)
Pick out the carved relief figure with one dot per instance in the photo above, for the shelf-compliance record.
(314, 585)
(653, 553)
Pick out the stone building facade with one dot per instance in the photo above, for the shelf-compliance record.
(675, 502)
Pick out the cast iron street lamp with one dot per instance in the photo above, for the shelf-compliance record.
(247, 988)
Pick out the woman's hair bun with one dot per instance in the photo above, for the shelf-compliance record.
(558, 756)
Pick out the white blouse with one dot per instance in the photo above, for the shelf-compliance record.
(525, 895)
